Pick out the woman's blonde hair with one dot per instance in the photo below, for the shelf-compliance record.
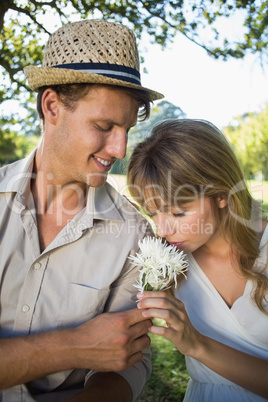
(185, 159)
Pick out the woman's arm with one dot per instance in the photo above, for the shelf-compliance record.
(245, 370)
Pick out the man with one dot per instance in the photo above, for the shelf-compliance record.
(69, 328)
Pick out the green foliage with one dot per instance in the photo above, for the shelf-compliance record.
(25, 145)
(163, 110)
(169, 377)
(19, 134)
(25, 25)
(250, 141)
(14, 146)
(7, 147)
(265, 209)
(19, 46)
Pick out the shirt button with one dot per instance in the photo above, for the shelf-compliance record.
(25, 308)
(37, 265)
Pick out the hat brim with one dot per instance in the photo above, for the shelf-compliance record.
(45, 76)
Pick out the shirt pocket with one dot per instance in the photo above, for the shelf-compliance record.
(81, 303)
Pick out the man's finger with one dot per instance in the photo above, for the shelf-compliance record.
(132, 316)
(139, 329)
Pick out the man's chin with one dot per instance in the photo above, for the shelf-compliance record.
(97, 180)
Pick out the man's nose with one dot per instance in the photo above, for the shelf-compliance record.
(118, 143)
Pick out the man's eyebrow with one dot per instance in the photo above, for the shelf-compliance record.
(109, 121)
(115, 123)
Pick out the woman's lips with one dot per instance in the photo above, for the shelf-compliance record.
(177, 244)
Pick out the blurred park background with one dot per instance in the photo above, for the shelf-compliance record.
(208, 57)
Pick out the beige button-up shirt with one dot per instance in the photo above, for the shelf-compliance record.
(85, 271)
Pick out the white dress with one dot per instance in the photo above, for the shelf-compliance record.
(242, 327)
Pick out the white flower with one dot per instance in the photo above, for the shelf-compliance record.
(159, 263)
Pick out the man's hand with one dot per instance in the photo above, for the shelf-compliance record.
(111, 341)
(108, 342)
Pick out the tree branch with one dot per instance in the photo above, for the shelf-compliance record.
(4, 6)
(31, 16)
(12, 72)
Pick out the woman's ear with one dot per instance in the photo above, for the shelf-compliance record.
(50, 105)
(221, 201)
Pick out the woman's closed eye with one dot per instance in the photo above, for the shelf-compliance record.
(151, 214)
(179, 214)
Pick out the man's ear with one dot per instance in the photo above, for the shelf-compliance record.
(50, 105)
(221, 201)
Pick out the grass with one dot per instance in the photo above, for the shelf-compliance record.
(169, 377)
(259, 190)
(265, 209)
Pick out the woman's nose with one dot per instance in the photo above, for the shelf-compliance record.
(164, 226)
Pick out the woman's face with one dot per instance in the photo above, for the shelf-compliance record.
(187, 227)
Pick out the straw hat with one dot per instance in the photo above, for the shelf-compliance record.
(90, 51)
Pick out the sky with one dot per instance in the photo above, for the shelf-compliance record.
(203, 87)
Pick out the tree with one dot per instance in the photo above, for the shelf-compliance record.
(164, 110)
(25, 25)
(250, 141)
(7, 147)
(14, 146)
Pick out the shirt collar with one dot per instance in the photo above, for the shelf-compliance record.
(18, 176)
(107, 203)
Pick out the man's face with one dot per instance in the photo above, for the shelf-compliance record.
(87, 141)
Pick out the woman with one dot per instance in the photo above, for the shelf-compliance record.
(187, 178)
